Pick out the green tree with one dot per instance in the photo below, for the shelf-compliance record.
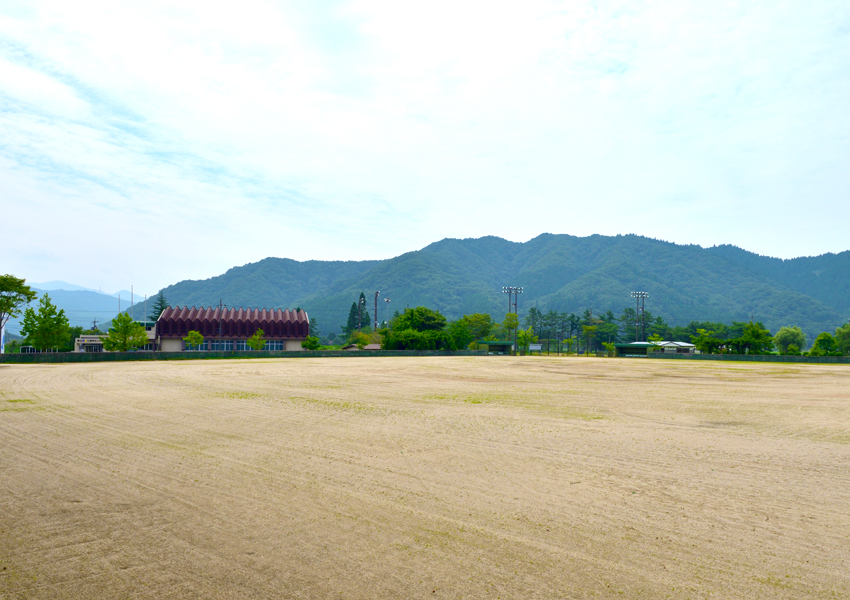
(787, 336)
(311, 342)
(824, 345)
(842, 339)
(533, 319)
(358, 317)
(365, 318)
(419, 328)
(314, 328)
(459, 331)
(47, 328)
(757, 338)
(360, 339)
(569, 343)
(608, 329)
(627, 325)
(256, 341)
(125, 334)
(159, 306)
(511, 323)
(525, 337)
(792, 350)
(420, 319)
(194, 338)
(706, 342)
(14, 295)
(589, 332)
(73, 334)
(351, 324)
(479, 325)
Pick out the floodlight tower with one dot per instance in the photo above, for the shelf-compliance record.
(515, 291)
(387, 300)
(640, 323)
(378, 293)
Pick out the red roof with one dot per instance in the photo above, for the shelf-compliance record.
(239, 323)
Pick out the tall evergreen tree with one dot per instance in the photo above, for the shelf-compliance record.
(159, 306)
(366, 319)
(351, 324)
(47, 328)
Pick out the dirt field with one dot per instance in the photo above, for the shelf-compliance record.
(403, 478)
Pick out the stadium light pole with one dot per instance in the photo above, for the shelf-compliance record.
(378, 293)
(640, 307)
(387, 300)
(515, 291)
(360, 306)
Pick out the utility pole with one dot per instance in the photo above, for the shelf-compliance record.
(515, 291)
(378, 293)
(640, 322)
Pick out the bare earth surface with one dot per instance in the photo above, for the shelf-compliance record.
(464, 477)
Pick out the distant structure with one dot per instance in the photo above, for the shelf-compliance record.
(229, 328)
(639, 349)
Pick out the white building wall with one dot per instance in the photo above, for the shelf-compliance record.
(172, 345)
(293, 345)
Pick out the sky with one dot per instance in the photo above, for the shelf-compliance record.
(144, 143)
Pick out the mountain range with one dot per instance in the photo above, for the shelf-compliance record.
(559, 272)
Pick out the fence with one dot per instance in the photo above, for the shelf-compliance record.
(845, 360)
(80, 357)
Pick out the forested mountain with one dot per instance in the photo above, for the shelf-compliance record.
(83, 308)
(558, 272)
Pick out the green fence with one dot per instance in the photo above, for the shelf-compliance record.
(80, 357)
(842, 360)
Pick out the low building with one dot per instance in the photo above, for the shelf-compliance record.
(495, 347)
(88, 343)
(94, 342)
(230, 329)
(634, 349)
(351, 347)
(676, 347)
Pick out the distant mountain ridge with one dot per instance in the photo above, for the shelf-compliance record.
(560, 272)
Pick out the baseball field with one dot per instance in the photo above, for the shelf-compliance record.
(437, 477)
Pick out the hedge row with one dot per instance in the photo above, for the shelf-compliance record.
(756, 358)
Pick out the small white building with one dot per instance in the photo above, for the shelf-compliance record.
(94, 343)
(675, 347)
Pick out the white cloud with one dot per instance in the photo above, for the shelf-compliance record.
(368, 128)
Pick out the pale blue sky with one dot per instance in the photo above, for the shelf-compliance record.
(146, 143)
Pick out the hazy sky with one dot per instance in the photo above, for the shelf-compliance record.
(149, 142)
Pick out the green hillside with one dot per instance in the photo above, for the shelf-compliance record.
(559, 272)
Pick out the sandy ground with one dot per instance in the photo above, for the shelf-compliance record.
(465, 477)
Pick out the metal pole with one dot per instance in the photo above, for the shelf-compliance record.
(378, 293)
(637, 319)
